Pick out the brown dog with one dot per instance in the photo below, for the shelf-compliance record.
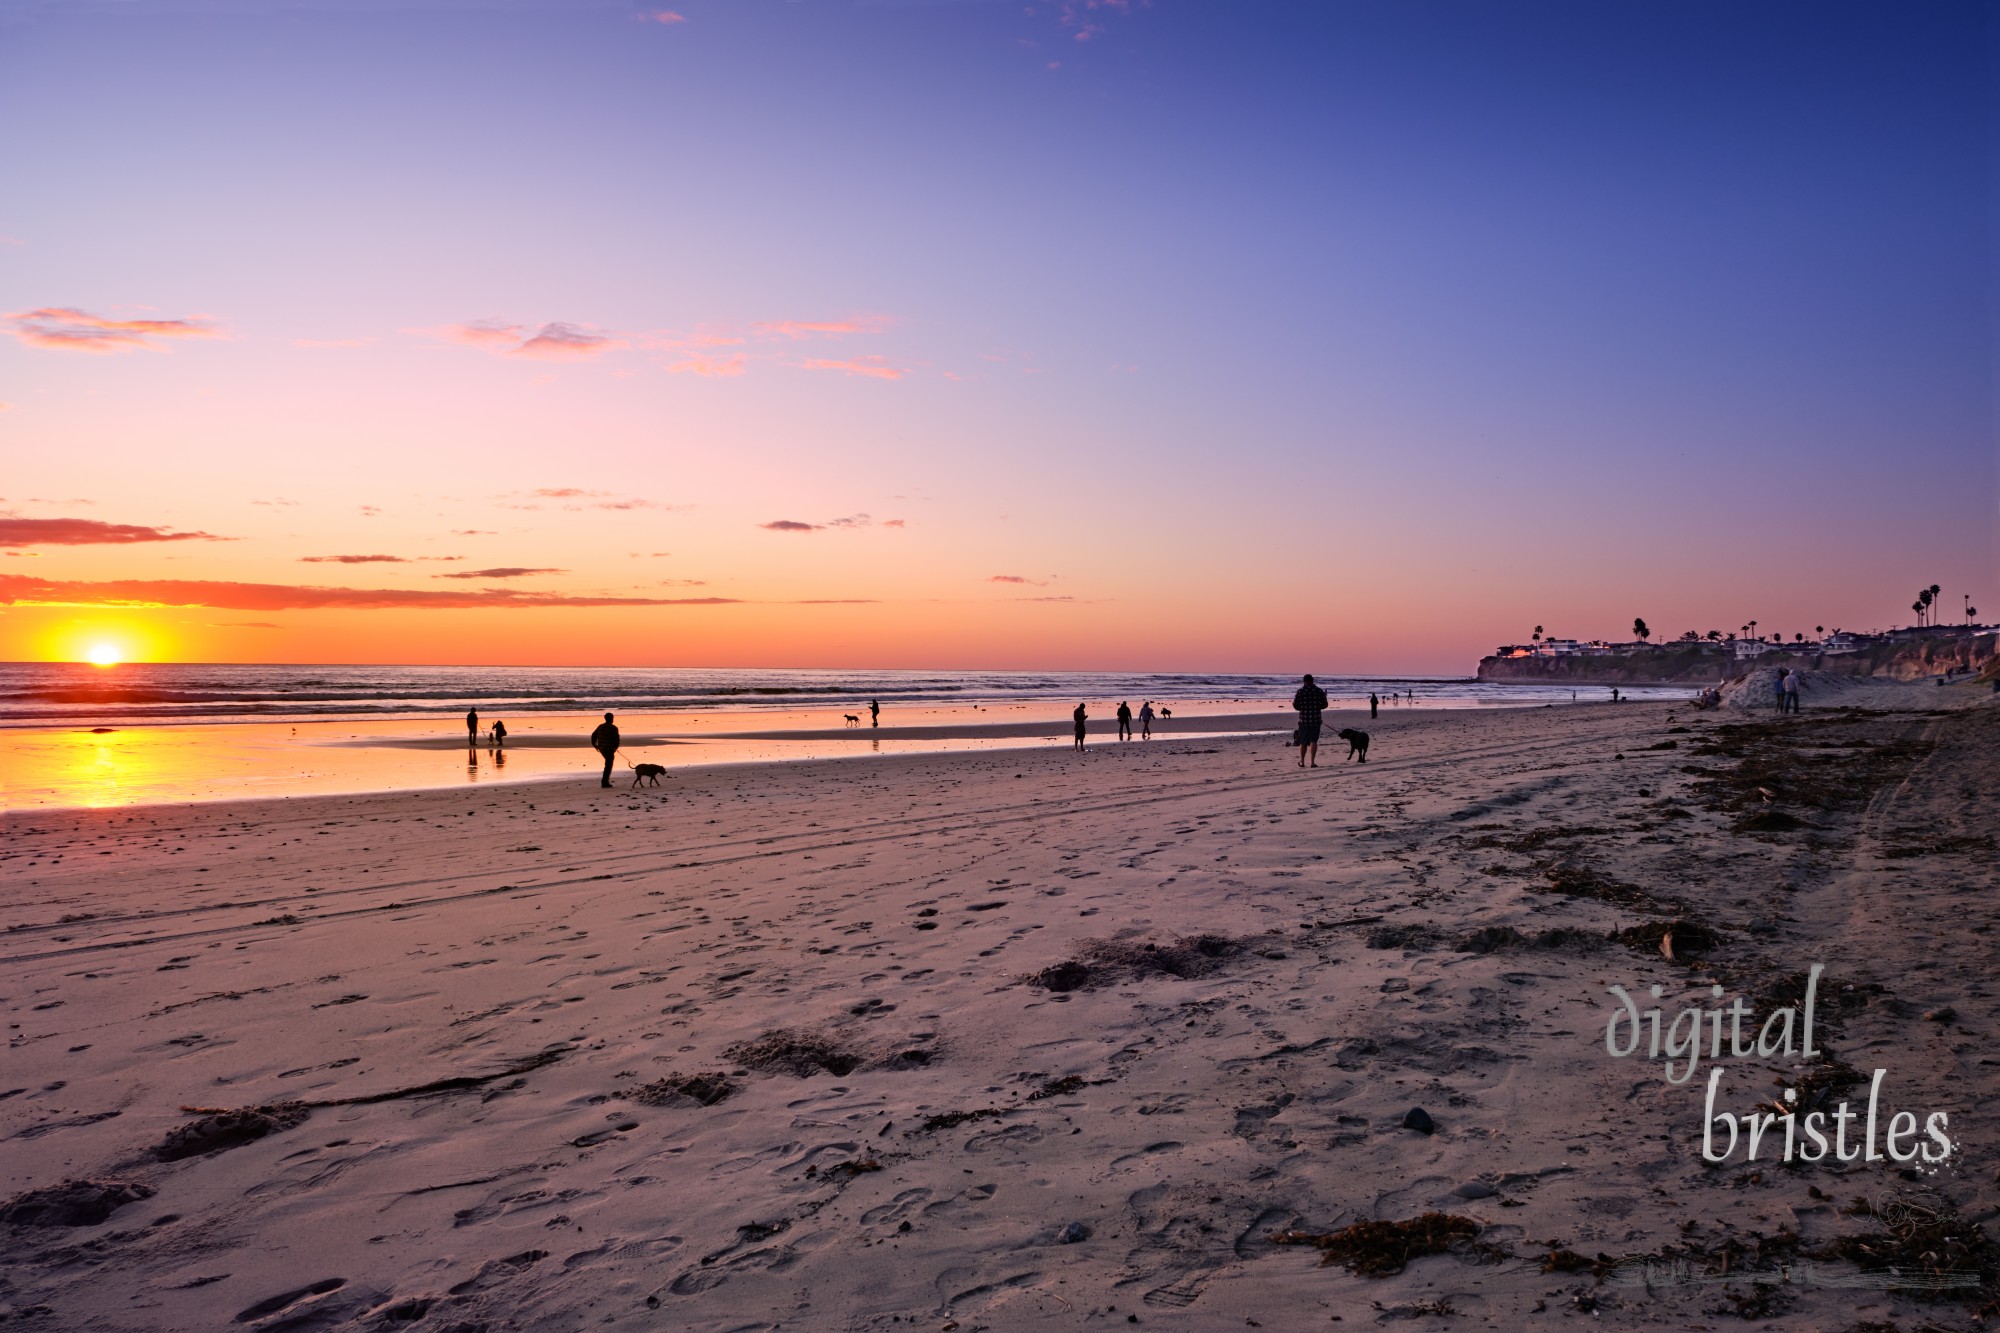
(642, 772)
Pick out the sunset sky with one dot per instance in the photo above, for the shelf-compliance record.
(1204, 334)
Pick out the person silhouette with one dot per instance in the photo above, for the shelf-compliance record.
(605, 741)
(874, 712)
(1124, 721)
(499, 734)
(1146, 720)
(472, 726)
(1080, 717)
(1374, 705)
(1310, 702)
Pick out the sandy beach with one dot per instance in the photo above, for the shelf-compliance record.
(1015, 1038)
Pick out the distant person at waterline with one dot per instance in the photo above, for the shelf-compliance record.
(605, 741)
(1080, 717)
(874, 712)
(1374, 705)
(1146, 720)
(1124, 721)
(1311, 702)
(472, 726)
(499, 734)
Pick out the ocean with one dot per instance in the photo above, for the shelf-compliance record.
(63, 693)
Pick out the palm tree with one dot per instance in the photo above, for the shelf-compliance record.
(1538, 634)
(1753, 629)
(1639, 629)
(1714, 635)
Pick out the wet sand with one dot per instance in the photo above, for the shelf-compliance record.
(475, 1038)
(106, 766)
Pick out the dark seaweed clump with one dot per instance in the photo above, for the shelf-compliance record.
(1380, 1249)
(684, 1090)
(796, 1052)
(1106, 962)
(221, 1130)
(74, 1203)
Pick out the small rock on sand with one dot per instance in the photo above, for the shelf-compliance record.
(1420, 1120)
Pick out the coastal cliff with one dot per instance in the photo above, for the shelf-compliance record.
(1674, 664)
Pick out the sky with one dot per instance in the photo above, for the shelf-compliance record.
(1199, 334)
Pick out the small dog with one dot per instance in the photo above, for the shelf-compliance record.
(1357, 742)
(643, 772)
(1166, 712)
(852, 719)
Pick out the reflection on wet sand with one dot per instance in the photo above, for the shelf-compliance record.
(50, 768)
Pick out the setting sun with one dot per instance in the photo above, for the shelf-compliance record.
(105, 654)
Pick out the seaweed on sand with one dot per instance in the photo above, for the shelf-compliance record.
(684, 1090)
(1106, 962)
(796, 1051)
(1380, 1249)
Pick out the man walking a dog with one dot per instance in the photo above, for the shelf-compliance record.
(605, 741)
(1311, 702)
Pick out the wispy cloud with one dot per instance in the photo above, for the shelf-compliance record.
(666, 17)
(566, 342)
(837, 601)
(473, 532)
(89, 532)
(847, 521)
(709, 367)
(558, 340)
(1018, 578)
(352, 560)
(22, 590)
(870, 366)
(503, 572)
(64, 328)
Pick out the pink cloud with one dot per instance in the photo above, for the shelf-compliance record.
(892, 522)
(65, 329)
(709, 367)
(352, 560)
(561, 342)
(554, 341)
(873, 367)
(790, 525)
(503, 572)
(666, 17)
(483, 333)
(89, 532)
(830, 328)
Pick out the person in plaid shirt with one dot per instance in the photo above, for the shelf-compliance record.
(1310, 701)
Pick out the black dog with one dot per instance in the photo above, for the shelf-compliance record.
(641, 772)
(1357, 742)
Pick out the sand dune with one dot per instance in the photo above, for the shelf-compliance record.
(1004, 1039)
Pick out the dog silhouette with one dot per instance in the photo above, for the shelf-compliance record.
(643, 772)
(1357, 742)
(852, 720)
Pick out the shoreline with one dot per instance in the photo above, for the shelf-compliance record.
(78, 767)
